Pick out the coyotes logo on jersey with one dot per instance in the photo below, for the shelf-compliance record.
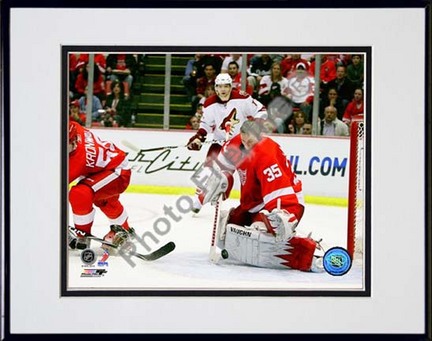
(230, 121)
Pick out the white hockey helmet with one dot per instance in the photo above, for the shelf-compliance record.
(223, 78)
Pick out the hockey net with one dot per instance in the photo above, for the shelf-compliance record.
(356, 191)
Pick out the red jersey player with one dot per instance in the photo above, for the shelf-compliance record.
(261, 230)
(102, 174)
(223, 114)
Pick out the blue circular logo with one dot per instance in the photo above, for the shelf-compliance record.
(337, 261)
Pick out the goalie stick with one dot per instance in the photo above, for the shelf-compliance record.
(215, 253)
(160, 252)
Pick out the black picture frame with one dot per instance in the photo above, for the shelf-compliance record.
(8, 142)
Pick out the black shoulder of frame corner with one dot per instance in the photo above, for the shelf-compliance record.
(305, 4)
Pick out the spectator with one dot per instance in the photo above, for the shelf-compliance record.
(73, 60)
(333, 100)
(98, 83)
(199, 110)
(96, 106)
(277, 57)
(99, 60)
(231, 58)
(289, 64)
(355, 107)
(194, 70)
(214, 59)
(307, 129)
(197, 115)
(327, 70)
(117, 107)
(210, 90)
(260, 66)
(121, 67)
(234, 72)
(194, 123)
(202, 83)
(273, 85)
(355, 70)
(342, 84)
(301, 89)
(297, 123)
(331, 125)
(75, 113)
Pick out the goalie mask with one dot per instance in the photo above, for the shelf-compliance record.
(223, 86)
(251, 133)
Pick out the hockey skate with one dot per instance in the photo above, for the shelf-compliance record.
(76, 240)
(196, 206)
(197, 201)
(119, 237)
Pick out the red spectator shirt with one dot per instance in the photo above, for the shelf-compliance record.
(81, 83)
(353, 110)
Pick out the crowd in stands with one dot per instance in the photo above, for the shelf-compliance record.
(113, 76)
(285, 84)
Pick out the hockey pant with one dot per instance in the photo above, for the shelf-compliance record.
(102, 190)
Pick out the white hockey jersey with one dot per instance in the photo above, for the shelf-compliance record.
(239, 108)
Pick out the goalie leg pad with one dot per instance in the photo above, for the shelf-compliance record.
(258, 248)
(251, 246)
(299, 254)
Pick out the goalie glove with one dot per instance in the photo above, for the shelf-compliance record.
(281, 223)
(218, 183)
(195, 142)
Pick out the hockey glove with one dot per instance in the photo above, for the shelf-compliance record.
(281, 222)
(195, 142)
(218, 183)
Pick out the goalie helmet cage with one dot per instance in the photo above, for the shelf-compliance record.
(356, 191)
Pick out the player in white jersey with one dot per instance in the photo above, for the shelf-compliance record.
(223, 115)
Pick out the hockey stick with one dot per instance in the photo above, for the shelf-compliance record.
(162, 251)
(137, 149)
(216, 253)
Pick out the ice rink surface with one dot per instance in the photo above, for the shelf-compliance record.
(188, 268)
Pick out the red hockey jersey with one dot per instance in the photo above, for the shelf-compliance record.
(265, 176)
(93, 155)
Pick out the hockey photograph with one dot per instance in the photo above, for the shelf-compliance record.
(216, 171)
(260, 169)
